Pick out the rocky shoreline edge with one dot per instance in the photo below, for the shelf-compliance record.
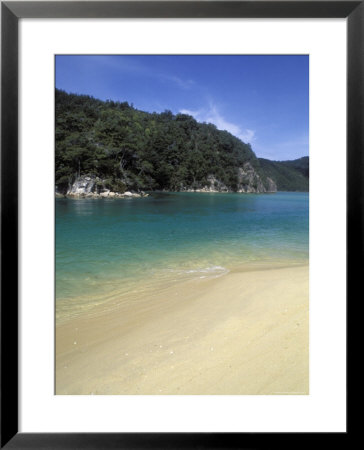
(88, 186)
(143, 194)
(94, 187)
(102, 195)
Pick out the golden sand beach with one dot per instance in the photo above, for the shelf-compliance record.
(243, 333)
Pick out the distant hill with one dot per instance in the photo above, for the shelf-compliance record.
(119, 148)
(288, 175)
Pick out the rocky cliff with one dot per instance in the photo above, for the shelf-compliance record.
(93, 187)
(249, 181)
(85, 186)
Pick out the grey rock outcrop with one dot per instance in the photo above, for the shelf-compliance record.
(82, 185)
(250, 181)
(85, 186)
(93, 187)
(271, 185)
(213, 185)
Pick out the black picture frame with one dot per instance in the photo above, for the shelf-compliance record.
(11, 12)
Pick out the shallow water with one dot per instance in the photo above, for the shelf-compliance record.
(113, 247)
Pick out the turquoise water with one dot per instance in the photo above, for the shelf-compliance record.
(107, 246)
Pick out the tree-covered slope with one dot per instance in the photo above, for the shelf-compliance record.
(301, 164)
(127, 149)
(288, 175)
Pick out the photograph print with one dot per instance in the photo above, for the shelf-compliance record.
(182, 224)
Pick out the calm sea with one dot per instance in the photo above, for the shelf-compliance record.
(111, 247)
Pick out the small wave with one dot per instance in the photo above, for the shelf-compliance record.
(211, 272)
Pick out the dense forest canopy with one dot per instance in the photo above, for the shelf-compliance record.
(135, 150)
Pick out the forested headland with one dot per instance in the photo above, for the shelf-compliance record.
(123, 149)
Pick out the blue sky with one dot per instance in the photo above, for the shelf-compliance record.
(262, 99)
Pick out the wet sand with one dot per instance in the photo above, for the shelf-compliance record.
(243, 333)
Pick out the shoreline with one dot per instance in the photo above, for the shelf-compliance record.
(130, 195)
(245, 332)
(132, 289)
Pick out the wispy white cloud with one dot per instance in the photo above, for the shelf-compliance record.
(247, 135)
(196, 114)
(125, 64)
(183, 84)
(212, 115)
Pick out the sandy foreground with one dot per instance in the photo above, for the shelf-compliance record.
(243, 333)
